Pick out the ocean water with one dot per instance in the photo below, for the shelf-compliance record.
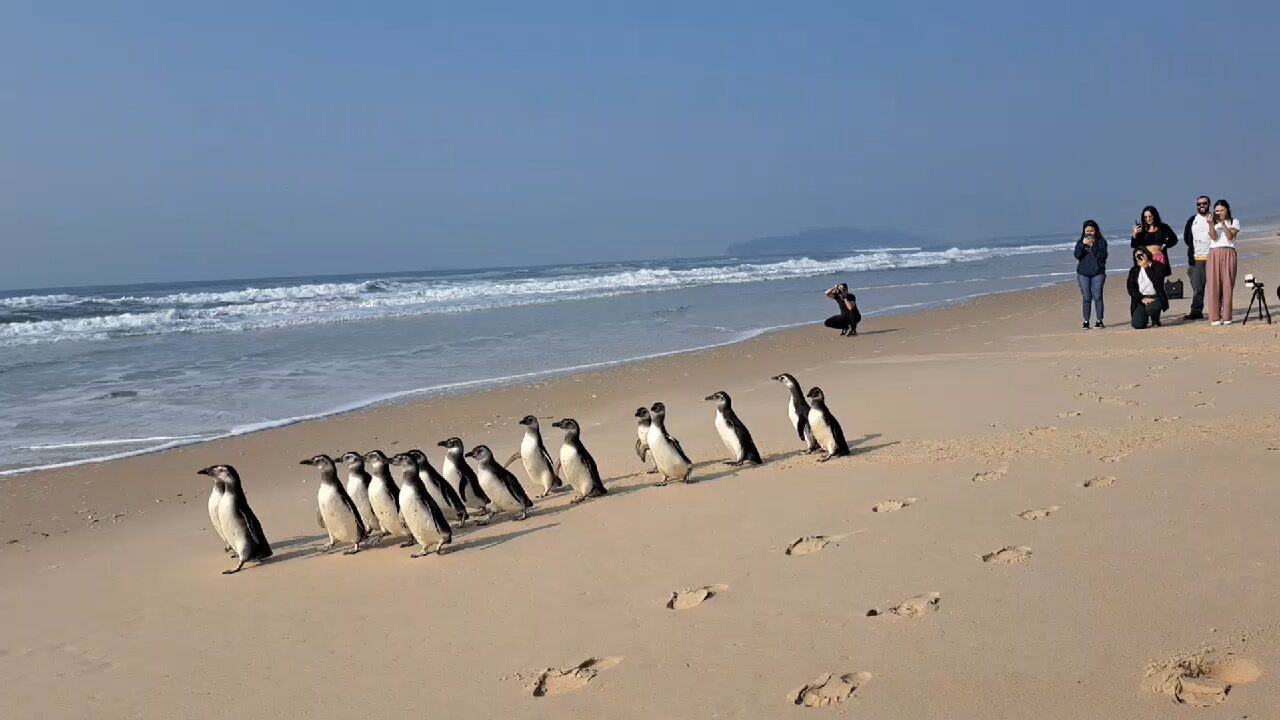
(99, 372)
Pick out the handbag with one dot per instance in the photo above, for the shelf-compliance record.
(1173, 289)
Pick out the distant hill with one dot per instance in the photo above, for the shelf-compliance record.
(826, 240)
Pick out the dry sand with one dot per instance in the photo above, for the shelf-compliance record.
(1121, 485)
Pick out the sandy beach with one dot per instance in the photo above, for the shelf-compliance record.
(1037, 521)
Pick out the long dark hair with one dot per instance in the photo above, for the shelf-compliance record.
(1097, 231)
(1226, 205)
(1155, 218)
(1141, 254)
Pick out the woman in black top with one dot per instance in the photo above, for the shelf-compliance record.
(847, 321)
(1154, 236)
(1146, 290)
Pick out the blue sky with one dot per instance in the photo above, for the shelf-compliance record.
(154, 141)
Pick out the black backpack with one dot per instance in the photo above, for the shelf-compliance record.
(1173, 289)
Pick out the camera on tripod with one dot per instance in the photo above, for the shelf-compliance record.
(1259, 298)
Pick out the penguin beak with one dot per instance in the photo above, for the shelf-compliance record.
(470, 453)
(206, 471)
(442, 443)
(709, 397)
(304, 462)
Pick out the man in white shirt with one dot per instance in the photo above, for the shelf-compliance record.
(1196, 238)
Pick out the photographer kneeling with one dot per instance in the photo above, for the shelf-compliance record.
(847, 321)
(1146, 290)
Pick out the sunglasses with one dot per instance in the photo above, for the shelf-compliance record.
(1202, 204)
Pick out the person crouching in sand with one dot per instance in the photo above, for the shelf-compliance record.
(1146, 290)
(847, 321)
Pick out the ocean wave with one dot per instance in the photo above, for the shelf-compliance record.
(58, 317)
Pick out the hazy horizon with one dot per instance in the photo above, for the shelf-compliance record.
(158, 144)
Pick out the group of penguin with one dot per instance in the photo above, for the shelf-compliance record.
(372, 505)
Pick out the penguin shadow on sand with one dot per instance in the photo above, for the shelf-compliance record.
(473, 541)
(295, 547)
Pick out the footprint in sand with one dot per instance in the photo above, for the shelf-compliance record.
(557, 681)
(1199, 679)
(1038, 513)
(1204, 404)
(997, 474)
(814, 543)
(1099, 481)
(1070, 414)
(1112, 458)
(889, 506)
(917, 606)
(1007, 555)
(828, 689)
(1167, 419)
(1129, 386)
(693, 597)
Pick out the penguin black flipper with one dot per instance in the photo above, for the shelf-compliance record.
(597, 484)
(683, 455)
(641, 449)
(556, 482)
(842, 447)
(361, 531)
(437, 517)
(513, 486)
(802, 426)
(749, 451)
(261, 548)
(471, 484)
(448, 493)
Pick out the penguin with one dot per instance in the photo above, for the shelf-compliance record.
(537, 461)
(825, 427)
(499, 484)
(461, 476)
(798, 411)
(384, 497)
(666, 450)
(642, 438)
(341, 516)
(577, 465)
(215, 499)
(735, 435)
(421, 514)
(439, 489)
(358, 490)
(239, 525)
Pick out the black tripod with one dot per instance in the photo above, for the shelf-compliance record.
(1260, 298)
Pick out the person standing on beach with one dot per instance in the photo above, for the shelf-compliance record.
(1196, 238)
(1150, 233)
(1091, 269)
(847, 321)
(1146, 290)
(1222, 263)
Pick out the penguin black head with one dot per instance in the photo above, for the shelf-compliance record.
(480, 452)
(658, 407)
(642, 412)
(569, 425)
(720, 397)
(225, 473)
(318, 461)
(786, 379)
(417, 455)
(353, 458)
(529, 421)
(375, 456)
(815, 393)
(451, 443)
(406, 458)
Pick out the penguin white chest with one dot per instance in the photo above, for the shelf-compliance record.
(497, 491)
(535, 464)
(215, 499)
(359, 494)
(384, 507)
(793, 412)
(338, 518)
(642, 432)
(417, 516)
(665, 454)
(821, 430)
(233, 527)
(729, 436)
(574, 469)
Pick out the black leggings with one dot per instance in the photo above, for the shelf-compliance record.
(844, 321)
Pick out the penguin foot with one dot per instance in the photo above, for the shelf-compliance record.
(354, 549)
(418, 554)
(825, 458)
(233, 570)
(324, 549)
(522, 516)
(408, 543)
(577, 499)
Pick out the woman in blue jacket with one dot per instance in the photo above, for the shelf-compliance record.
(1091, 269)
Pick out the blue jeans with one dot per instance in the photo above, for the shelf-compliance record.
(1091, 292)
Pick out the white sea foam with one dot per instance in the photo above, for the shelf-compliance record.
(77, 317)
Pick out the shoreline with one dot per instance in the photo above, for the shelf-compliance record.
(466, 387)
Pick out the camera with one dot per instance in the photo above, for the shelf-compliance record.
(1251, 283)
